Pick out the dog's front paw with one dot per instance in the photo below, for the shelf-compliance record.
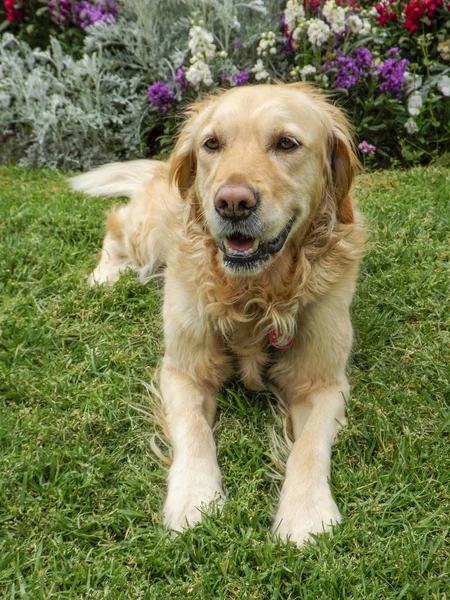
(300, 516)
(189, 494)
(104, 275)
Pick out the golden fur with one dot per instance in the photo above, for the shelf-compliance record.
(217, 320)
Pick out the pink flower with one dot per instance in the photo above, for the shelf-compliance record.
(367, 148)
(12, 12)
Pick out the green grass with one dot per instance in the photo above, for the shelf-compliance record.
(81, 492)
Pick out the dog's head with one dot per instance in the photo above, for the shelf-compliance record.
(258, 161)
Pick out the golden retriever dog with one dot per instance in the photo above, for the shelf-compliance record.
(252, 220)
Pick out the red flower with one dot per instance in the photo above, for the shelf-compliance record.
(431, 6)
(312, 4)
(12, 12)
(416, 9)
(384, 11)
(349, 3)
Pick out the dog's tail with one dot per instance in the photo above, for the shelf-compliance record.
(116, 179)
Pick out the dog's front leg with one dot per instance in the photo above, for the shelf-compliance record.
(311, 379)
(194, 478)
(306, 505)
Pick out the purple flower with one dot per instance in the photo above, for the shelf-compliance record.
(367, 148)
(87, 14)
(239, 45)
(347, 72)
(160, 96)
(349, 69)
(392, 75)
(84, 13)
(288, 45)
(363, 57)
(180, 78)
(61, 11)
(241, 78)
(392, 51)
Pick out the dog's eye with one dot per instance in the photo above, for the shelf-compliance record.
(211, 144)
(287, 143)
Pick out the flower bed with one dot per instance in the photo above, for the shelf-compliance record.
(387, 64)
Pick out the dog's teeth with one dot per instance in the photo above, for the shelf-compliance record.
(253, 249)
(233, 251)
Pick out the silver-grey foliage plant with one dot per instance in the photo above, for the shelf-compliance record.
(61, 112)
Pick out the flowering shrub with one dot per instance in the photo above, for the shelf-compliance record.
(386, 63)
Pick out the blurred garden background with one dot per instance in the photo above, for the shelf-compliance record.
(88, 81)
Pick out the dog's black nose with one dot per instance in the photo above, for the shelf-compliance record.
(235, 201)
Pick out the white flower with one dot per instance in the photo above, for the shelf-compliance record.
(443, 85)
(294, 14)
(199, 71)
(368, 22)
(201, 41)
(444, 49)
(355, 23)
(412, 82)
(366, 28)
(318, 32)
(223, 54)
(361, 27)
(307, 70)
(299, 30)
(411, 126)
(322, 80)
(414, 103)
(260, 71)
(263, 44)
(335, 15)
(266, 44)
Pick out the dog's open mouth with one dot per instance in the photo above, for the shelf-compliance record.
(239, 249)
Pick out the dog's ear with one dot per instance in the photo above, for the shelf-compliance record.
(183, 162)
(341, 161)
(342, 164)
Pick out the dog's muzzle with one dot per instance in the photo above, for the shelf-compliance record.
(240, 239)
(242, 250)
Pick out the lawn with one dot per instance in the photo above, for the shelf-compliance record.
(81, 490)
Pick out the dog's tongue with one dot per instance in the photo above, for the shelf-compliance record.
(240, 244)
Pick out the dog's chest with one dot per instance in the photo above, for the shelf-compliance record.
(251, 359)
(257, 328)
(254, 354)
